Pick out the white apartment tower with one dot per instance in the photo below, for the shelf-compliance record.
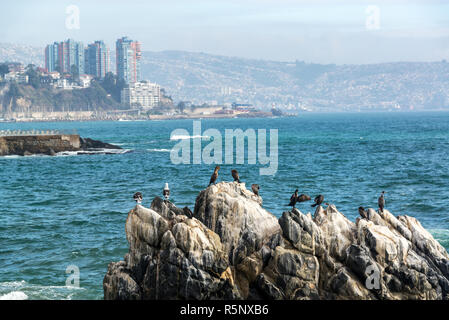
(145, 95)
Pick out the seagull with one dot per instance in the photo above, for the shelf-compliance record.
(166, 192)
(214, 175)
(318, 200)
(255, 188)
(138, 197)
(235, 175)
(381, 201)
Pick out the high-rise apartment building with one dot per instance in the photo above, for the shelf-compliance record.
(145, 95)
(97, 59)
(65, 57)
(128, 56)
(51, 57)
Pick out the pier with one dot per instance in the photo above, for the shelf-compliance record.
(28, 142)
(21, 133)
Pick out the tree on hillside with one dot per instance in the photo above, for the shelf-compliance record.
(181, 106)
(4, 69)
(33, 76)
(113, 85)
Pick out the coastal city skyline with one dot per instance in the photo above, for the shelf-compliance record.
(94, 59)
(293, 75)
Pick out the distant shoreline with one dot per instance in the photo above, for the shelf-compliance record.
(125, 118)
(214, 116)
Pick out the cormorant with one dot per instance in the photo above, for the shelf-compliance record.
(303, 197)
(235, 175)
(381, 201)
(138, 197)
(255, 188)
(318, 200)
(166, 192)
(294, 199)
(214, 175)
(363, 213)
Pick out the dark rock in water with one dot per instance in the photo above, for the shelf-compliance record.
(51, 144)
(232, 248)
(87, 143)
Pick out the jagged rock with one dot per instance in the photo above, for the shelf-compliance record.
(244, 227)
(88, 143)
(232, 248)
(171, 257)
(236, 215)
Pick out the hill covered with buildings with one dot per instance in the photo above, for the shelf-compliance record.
(200, 78)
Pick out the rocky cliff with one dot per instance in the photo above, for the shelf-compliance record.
(232, 248)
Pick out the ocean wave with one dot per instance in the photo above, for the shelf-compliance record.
(87, 152)
(21, 290)
(185, 137)
(70, 153)
(159, 150)
(15, 295)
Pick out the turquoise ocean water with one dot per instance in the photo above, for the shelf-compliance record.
(71, 210)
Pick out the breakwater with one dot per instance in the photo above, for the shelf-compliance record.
(27, 143)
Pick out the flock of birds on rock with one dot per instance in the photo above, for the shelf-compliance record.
(294, 199)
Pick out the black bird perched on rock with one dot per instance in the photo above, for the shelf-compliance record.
(138, 197)
(363, 213)
(255, 188)
(214, 175)
(294, 199)
(235, 175)
(381, 201)
(303, 197)
(318, 200)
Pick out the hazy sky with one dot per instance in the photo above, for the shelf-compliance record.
(351, 31)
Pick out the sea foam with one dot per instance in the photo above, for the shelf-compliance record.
(15, 295)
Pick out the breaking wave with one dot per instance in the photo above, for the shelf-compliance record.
(22, 290)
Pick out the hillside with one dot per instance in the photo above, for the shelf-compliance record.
(26, 98)
(201, 77)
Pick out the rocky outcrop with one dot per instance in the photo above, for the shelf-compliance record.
(89, 144)
(38, 144)
(51, 144)
(232, 248)
(171, 256)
